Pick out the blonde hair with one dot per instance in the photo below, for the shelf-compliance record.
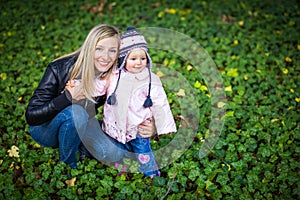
(84, 67)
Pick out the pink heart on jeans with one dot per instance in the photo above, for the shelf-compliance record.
(144, 158)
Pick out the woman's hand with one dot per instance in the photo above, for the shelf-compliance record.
(147, 128)
(76, 90)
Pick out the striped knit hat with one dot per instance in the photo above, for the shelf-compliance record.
(130, 40)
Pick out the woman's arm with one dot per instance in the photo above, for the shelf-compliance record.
(47, 99)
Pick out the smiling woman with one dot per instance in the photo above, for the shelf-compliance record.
(106, 53)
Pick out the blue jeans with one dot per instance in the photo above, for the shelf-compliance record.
(72, 127)
(108, 150)
(140, 149)
(100, 145)
(62, 133)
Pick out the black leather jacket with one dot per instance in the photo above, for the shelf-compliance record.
(49, 99)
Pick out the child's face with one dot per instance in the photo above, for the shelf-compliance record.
(136, 61)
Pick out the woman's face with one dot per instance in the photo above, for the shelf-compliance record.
(106, 53)
(136, 61)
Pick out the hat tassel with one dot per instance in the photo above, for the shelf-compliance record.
(112, 98)
(148, 102)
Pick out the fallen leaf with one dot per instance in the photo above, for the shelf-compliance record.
(285, 71)
(171, 10)
(229, 114)
(189, 67)
(221, 104)
(159, 74)
(228, 88)
(181, 93)
(71, 182)
(3, 76)
(233, 72)
(288, 59)
(227, 19)
(197, 84)
(241, 23)
(274, 120)
(14, 152)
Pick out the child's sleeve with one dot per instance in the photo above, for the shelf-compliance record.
(161, 110)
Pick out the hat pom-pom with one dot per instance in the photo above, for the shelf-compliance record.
(148, 102)
(112, 99)
(130, 28)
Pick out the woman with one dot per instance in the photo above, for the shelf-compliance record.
(60, 115)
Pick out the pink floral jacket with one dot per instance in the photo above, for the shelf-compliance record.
(121, 120)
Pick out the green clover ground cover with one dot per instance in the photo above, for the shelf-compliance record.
(256, 47)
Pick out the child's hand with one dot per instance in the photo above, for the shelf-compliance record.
(147, 128)
(76, 90)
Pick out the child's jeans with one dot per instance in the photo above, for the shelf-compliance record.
(143, 153)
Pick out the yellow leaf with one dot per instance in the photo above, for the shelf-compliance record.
(181, 93)
(189, 67)
(160, 14)
(292, 90)
(229, 114)
(185, 12)
(159, 74)
(20, 98)
(235, 42)
(203, 88)
(288, 59)
(166, 62)
(274, 120)
(221, 104)
(228, 88)
(285, 71)
(234, 57)
(13, 152)
(241, 23)
(3, 76)
(197, 84)
(297, 99)
(71, 182)
(233, 72)
(171, 10)
(43, 27)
